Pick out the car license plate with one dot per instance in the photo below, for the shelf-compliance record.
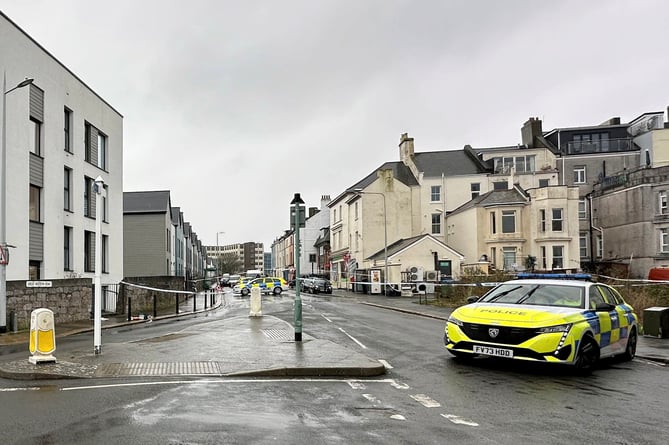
(496, 352)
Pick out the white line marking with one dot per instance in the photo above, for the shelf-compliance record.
(426, 401)
(399, 385)
(385, 364)
(323, 315)
(353, 338)
(356, 385)
(398, 417)
(371, 398)
(459, 420)
(18, 389)
(227, 382)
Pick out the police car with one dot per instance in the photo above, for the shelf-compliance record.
(267, 285)
(550, 318)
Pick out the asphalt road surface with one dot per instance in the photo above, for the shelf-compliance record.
(426, 397)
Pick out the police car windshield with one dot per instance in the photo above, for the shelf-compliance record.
(536, 294)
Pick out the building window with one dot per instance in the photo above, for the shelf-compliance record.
(508, 221)
(102, 151)
(435, 193)
(105, 209)
(67, 125)
(105, 254)
(543, 257)
(334, 215)
(493, 256)
(664, 240)
(583, 245)
(579, 174)
(436, 223)
(558, 257)
(543, 183)
(522, 164)
(600, 246)
(582, 209)
(89, 197)
(542, 220)
(36, 139)
(493, 223)
(67, 189)
(357, 240)
(67, 248)
(34, 208)
(87, 142)
(475, 188)
(356, 210)
(556, 223)
(509, 258)
(34, 270)
(663, 202)
(89, 251)
(500, 185)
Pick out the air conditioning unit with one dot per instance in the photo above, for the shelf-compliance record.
(417, 273)
(431, 275)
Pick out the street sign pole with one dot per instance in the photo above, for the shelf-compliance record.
(298, 300)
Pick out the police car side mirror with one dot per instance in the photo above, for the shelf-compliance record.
(604, 307)
(473, 299)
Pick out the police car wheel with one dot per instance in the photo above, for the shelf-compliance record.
(630, 350)
(277, 290)
(587, 356)
(245, 291)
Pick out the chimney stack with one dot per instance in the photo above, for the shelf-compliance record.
(530, 131)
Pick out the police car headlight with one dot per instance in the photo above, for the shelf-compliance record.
(552, 329)
(454, 321)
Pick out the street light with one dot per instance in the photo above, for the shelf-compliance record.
(3, 205)
(385, 235)
(218, 255)
(297, 223)
(97, 317)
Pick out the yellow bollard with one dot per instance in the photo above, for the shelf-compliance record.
(42, 336)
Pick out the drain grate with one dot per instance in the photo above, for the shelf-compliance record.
(158, 369)
(278, 334)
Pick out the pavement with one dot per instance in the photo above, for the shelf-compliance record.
(259, 346)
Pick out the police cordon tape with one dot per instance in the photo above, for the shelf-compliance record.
(141, 286)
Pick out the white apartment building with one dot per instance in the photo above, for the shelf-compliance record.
(60, 136)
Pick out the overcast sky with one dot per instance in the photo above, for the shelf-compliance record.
(234, 106)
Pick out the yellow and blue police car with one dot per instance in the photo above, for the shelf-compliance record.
(554, 318)
(267, 285)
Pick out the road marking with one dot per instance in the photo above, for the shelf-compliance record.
(323, 315)
(426, 401)
(459, 420)
(354, 383)
(399, 385)
(385, 364)
(18, 389)
(398, 417)
(353, 338)
(371, 398)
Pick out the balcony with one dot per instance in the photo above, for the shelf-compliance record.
(601, 146)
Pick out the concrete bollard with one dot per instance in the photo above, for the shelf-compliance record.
(256, 303)
(42, 336)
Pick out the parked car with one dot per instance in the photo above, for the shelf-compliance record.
(267, 285)
(552, 318)
(316, 285)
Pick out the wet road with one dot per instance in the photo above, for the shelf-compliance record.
(426, 396)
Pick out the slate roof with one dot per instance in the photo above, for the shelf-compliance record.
(450, 163)
(402, 244)
(146, 202)
(176, 212)
(515, 195)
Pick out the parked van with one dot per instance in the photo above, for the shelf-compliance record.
(253, 273)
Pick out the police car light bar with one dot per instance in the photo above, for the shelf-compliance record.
(555, 276)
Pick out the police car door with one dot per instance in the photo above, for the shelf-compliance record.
(607, 320)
